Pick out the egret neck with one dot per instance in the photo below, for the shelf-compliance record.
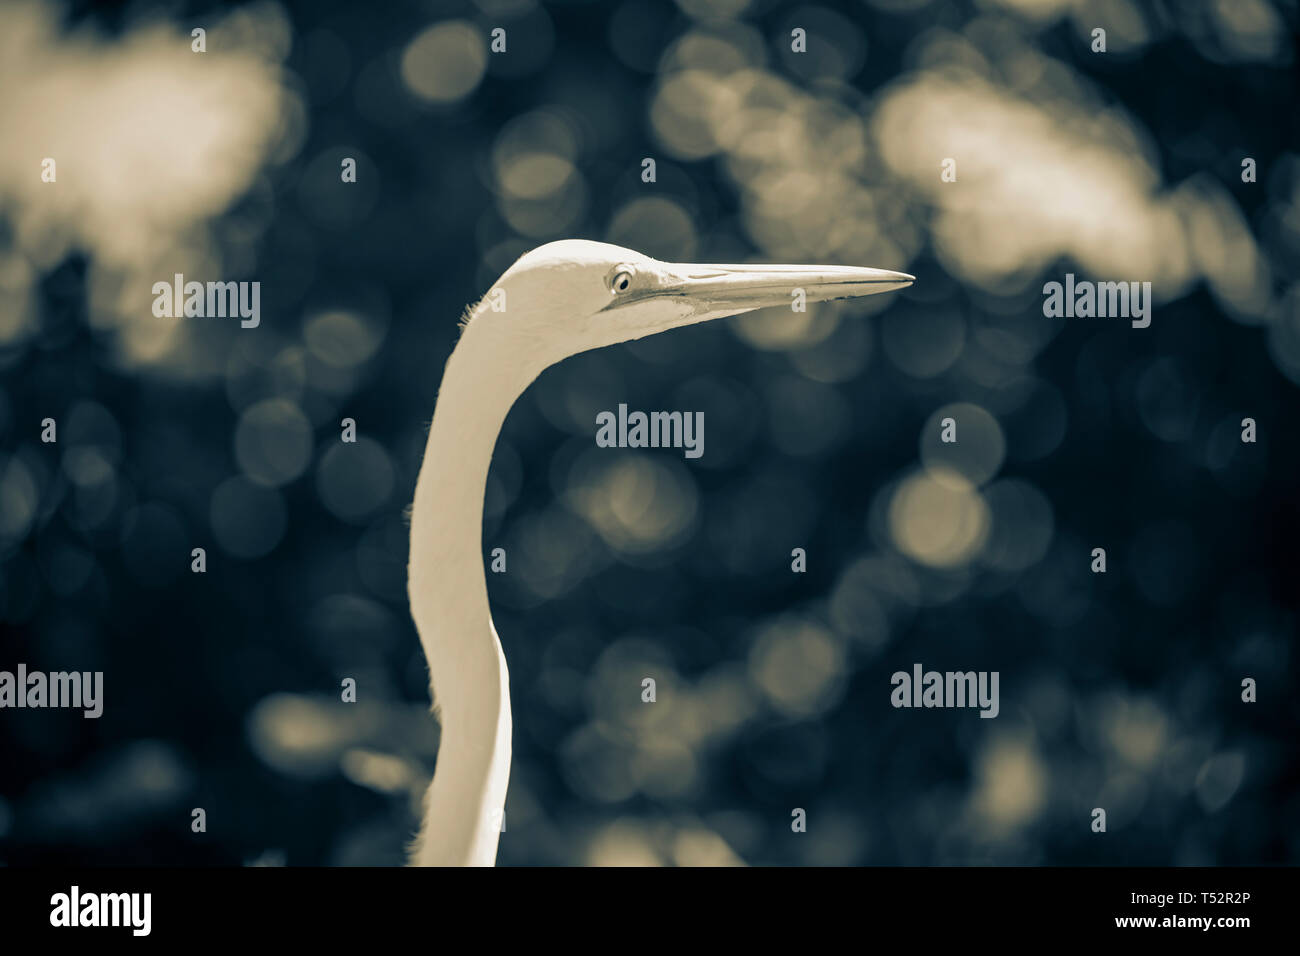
(448, 594)
(564, 298)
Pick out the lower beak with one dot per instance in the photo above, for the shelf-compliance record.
(730, 289)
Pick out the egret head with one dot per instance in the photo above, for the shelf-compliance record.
(573, 295)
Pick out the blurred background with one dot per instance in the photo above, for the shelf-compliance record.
(222, 689)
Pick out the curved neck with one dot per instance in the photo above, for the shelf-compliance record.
(448, 595)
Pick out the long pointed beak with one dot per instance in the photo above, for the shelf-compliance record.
(730, 289)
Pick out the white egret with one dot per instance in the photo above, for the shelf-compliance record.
(558, 300)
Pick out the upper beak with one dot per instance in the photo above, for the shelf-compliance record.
(730, 289)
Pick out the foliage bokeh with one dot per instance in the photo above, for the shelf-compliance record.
(1119, 690)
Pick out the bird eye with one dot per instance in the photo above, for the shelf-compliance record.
(621, 282)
